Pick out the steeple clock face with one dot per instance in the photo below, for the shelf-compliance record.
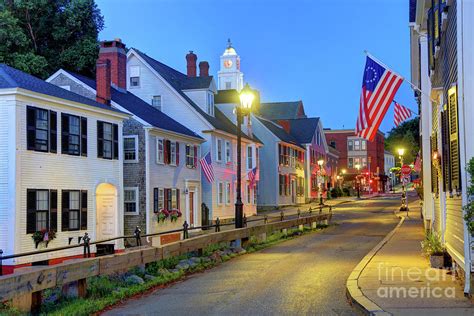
(227, 63)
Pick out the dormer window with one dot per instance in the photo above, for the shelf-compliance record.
(210, 103)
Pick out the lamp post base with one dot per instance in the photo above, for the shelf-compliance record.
(239, 214)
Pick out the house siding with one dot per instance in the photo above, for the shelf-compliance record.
(37, 170)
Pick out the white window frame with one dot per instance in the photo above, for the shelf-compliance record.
(190, 156)
(350, 141)
(134, 72)
(136, 200)
(136, 148)
(173, 152)
(220, 193)
(357, 147)
(158, 140)
(249, 157)
(228, 151)
(210, 103)
(161, 198)
(161, 102)
(363, 145)
(219, 143)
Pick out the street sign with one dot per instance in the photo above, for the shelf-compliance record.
(406, 170)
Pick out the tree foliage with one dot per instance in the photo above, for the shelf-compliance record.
(406, 136)
(41, 36)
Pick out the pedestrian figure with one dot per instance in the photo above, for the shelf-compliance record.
(87, 247)
(185, 230)
(137, 234)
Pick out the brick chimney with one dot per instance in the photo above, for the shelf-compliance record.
(103, 78)
(285, 124)
(191, 59)
(203, 69)
(115, 52)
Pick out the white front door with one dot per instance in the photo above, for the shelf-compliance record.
(106, 202)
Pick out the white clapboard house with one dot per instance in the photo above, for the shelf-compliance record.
(189, 99)
(161, 167)
(61, 169)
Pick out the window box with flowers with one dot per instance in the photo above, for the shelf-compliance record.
(43, 236)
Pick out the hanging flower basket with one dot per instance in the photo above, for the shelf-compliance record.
(43, 235)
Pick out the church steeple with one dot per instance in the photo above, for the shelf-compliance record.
(229, 75)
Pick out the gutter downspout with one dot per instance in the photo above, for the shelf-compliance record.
(147, 181)
(462, 141)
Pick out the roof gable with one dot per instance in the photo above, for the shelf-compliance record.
(279, 132)
(140, 108)
(282, 110)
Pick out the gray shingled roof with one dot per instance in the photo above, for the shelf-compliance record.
(141, 109)
(14, 78)
(281, 110)
(304, 129)
(279, 132)
(180, 82)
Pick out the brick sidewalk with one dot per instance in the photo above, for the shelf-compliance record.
(400, 281)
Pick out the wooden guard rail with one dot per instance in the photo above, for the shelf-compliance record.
(24, 287)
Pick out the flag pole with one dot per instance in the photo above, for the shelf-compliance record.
(414, 87)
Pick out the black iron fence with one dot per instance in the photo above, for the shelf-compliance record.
(85, 243)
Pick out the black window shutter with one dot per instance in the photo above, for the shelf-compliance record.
(454, 140)
(64, 133)
(445, 151)
(31, 128)
(155, 200)
(116, 141)
(30, 211)
(195, 157)
(177, 153)
(65, 211)
(53, 132)
(84, 136)
(84, 210)
(100, 139)
(53, 210)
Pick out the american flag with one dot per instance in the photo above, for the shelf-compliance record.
(379, 86)
(251, 175)
(206, 165)
(401, 113)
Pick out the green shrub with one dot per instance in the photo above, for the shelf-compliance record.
(432, 244)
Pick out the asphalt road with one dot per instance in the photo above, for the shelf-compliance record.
(306, 275)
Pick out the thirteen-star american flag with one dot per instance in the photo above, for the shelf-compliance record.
(401, 113)
(206, 165)
(251, 175)
(379, 86)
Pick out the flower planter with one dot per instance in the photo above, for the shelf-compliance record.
(437, 261)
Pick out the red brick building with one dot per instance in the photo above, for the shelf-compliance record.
(355, 151)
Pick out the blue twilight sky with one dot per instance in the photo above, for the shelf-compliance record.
(290, 50)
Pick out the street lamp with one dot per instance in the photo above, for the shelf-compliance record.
(404, 206)
(246, 100)
(357, 166)
(320, 164)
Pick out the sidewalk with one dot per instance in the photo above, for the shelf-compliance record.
(396, 279)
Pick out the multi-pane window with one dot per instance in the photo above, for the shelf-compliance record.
(227, 193)
(173, 151)
(255, 194)
(350, 145)
(174, 201)
(249, 157)
(130, 198)
(210, 104)
(160, 151)
(74, 209)
(161, 198)
(191, 156)
(220, 193)
(73, 135)
(41, 129)
(156, 102)
(219, 149)
(134, 76)
(364, 145)
(228, 151)
(107, 140)
(249, 196)
(350, 162)
(130, 148)
(257, 157)
(42, 209)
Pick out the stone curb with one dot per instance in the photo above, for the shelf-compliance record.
(353, 292)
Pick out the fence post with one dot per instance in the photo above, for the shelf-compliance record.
(282, 216)
(185, 230)
(245, 220)
(320, 209)
(1, 263)
(218, 225)
(265, 219)
(299, 213)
